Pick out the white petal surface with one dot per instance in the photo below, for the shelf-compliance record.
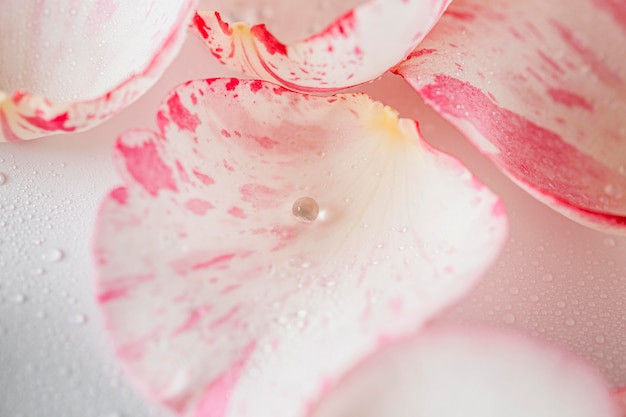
(355, 48)
(538, 87)
(66, 66)
(452, 372)
(220, 302)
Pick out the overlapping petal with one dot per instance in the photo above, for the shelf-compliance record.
(66, 66)
(451, 372)
(540, 87)
(357, 47)
(221, 302)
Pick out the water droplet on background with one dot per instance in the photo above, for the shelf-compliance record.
(305, 209)
(3, 178)
(52, 255)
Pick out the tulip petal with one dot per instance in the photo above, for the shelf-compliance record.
(357, 47)
(539, 89)
(451, 372)
(66, 66)
(220, 301)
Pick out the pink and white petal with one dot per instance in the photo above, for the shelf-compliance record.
(66, 66)
(537, 87)
(357, 47)
(220, 302)
(451, 372)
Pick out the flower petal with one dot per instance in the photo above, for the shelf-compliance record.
(220, 301)
(450, 372)
(66, 66)
(357, 47)
(539, 89)
(620, 398)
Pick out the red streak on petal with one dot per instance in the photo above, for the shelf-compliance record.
(205, 179)
(615, 8)
(232, 84)
(144, 164)
(120, 195)
(272, 45)
(201, 25)
(569, 99)
(536, 154)
(183, 118)
(111, 295)
(421, 52)
(219, 259)
(265, 142)
(56, 124)
(223, 25)
(215, 400)
(192, 320)
(465, 16)
(597, 65)
(225, 318)
(256, 85)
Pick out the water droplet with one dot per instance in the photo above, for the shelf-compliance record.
(600, 339)
(608, 242)
(38, 271)
(508, 318)
(547, 277)
(52, 255)
(3, 178)
(305, 209)
(570, 322)
(78, 319)
(18, 298)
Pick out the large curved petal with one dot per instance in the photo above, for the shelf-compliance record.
(540, 87)
(221, 302)
(356, 48)
(451, 372)
(66, 66)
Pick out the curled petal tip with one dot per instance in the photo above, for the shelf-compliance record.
(357, 47)
(539, 90)
(107, 54)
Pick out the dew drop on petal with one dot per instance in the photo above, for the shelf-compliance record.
(305, 209)
(52, 255)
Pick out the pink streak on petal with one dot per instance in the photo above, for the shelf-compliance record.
(112, 295)
(120, 195)
(198, 206)
(569, 99)
(57, 123)
(215, 401)
(181, 115)
(147, 168)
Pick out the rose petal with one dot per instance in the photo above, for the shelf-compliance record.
(539, 89)
(357, 47)
(221, 302)
(451, 372)
(71, 65)
(620, 398)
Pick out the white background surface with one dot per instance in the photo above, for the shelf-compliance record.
(556, 281)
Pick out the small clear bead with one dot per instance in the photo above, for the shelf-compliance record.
(305, 209)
